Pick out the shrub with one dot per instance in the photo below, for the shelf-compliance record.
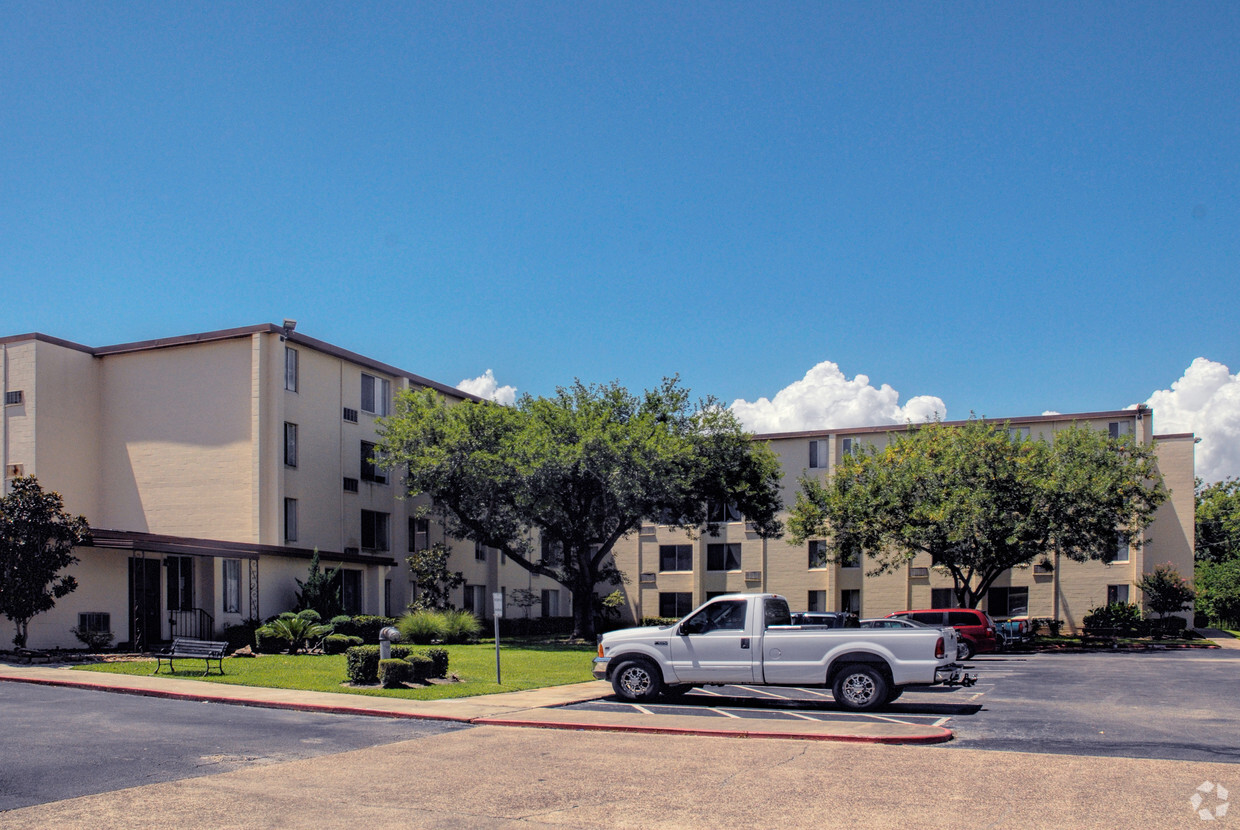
(1218, 592)
(364, 625)
(362, 662)
(439, 661)
(422, 627)
(394, 673)
(421, 668)
(1166, 591)
(1124, 617)
(241, 634)
(93, 640)
(339, 643)
(297, 630)
(661, 622)
(266, 641)
(461, 627)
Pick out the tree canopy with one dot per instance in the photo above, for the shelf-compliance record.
(1218, 520)
(981, 501)
(554, 483)
(37, 539)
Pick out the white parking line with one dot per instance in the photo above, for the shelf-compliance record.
(940, 721)
(709, 692)
(764, 692)
(641, 709)
(726, 714)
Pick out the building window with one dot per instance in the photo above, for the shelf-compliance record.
(1117, 429)
(675, 604)
(1121, 547)
(290, 520)
(290, 369)
(371, 471)
(376, 393)
(419, 533)
(849, 446)
(550, 602)
(1117, 593)
(290, 444)
(723, 557)
(374, 530)
(480, 552)
(476, 600)
(98, 622)
(1018, 434)
(817, 554)
(675, 558)
(550, 552)
(942, 598)
(818, 454)
(350, 585)
(816, 601)
(1008, 602)
(722, 511)
(232, 586)
(850, 601)
(180, 596)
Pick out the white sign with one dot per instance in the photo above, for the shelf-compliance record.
(497, 604)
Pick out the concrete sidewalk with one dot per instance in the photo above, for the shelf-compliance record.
(1221, 638)
(539, 708)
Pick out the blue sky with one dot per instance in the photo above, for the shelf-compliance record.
(1008, 207)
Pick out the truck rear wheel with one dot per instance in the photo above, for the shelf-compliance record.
(860, 688)
(636, 680)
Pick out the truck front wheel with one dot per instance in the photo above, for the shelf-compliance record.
(860, 688)
(636, 680)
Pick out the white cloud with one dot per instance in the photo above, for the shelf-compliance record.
(826, 399)
(1205, 401)
(485, 386)
(1051, 412)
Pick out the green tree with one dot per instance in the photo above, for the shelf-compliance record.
(321, 592)
(578, 471)
(435, 580)
(1218, 591)
(37, 538)
(981, 502)
(1165, 590)
(1218, 520)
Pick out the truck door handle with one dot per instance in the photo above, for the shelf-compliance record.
(744, 642)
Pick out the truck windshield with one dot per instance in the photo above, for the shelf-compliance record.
(777, 612)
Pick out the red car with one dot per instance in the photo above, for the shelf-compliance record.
(975, 628)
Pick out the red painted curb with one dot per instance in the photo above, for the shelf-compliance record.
(942, 736)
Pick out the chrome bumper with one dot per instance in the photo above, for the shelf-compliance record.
(600, 667)
(954, 675)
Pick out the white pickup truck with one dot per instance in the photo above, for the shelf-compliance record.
(748, 639)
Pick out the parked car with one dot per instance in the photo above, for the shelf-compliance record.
(828, 619)
(975, 629)
(962, 650)
(1013, 630)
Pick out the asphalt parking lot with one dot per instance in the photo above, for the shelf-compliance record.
(1169, 705)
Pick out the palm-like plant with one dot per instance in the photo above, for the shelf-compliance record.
(298, 630)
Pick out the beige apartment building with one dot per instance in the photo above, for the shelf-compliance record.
(672, 571)
(210, 467)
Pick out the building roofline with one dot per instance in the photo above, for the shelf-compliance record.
(1171, 436)
(246, 331)
(1029, 419)
(187, 545)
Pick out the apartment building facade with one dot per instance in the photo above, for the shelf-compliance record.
(211, 467)
(672, 571)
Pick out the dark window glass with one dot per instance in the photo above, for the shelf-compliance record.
(374, 530)
(817, 554)
(942, 598)
(723, 557)
(370, 470)
(675, 558)
(675, 604)
(776, 612)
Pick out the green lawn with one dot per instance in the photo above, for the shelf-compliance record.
(524, 666)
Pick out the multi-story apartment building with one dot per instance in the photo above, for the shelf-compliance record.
(672, 571)
(210, 468)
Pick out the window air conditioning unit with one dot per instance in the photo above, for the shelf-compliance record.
(919, 573)
(753, 576)
(648, 579)
(14, 471)
(13, 398)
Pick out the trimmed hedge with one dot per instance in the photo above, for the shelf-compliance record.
(267, 643)
(421, 668)
(339, 643)
(394, 673)
(362, 662)
(439, 661)
(365, 626)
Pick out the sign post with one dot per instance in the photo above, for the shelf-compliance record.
(497, 611)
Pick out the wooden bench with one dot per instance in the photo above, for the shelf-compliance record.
(186, 648)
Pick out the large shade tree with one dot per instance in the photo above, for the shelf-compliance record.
(555, 482)
(37, 538)
(981, 499)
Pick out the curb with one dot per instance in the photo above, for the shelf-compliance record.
(940, 735)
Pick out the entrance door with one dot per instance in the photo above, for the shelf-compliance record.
(144, 611)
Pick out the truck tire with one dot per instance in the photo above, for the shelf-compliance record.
(676, 692)
(895, 693)
(637, 679)
(860, 688)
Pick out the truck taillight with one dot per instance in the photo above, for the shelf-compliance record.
(939, 649)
